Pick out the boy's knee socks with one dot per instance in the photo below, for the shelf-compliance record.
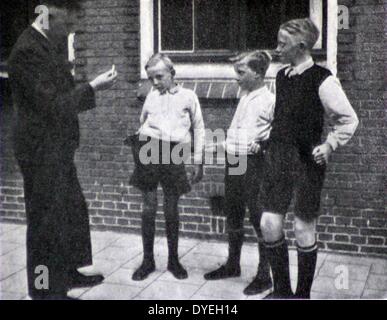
(172, 231)
(307, 259)
(264, 265)
(235, 242)
(278, 257)
(148, 234)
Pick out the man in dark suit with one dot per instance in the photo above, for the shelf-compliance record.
(47, 102)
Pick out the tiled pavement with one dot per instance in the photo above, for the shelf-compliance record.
(117, 255)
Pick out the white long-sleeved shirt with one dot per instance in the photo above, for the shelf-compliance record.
(251, 122)
(169, 116)
(336, 106)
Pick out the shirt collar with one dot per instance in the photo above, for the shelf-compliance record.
(173, 90)
(255, 93)
(39, 29)
(300, 69)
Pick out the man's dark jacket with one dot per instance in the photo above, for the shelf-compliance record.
(46, 135)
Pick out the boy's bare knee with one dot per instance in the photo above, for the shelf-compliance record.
(305, 232)
(271, 227)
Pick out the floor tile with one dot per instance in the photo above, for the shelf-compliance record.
(17, 283)
(6, 247)
(118, 253)
(99, 245)
(260, 296)
(15, 236)
(331, 296)
(374, 294)
(195, 277)
(186, 242)
(109, 291)
(338, 286)
(377, 282)
(6, 270)
(124, 277)
(201, 261)
(11, 296)
(77, 292)
(379, 267)
(106, 236)
(161, 248)
(169, 290)
(355, 272)
(128, 241)
(212, 249)
(225, 289)
(17, 256)
(197, 296)
(347, 259)
(7, 227)
(161, 263)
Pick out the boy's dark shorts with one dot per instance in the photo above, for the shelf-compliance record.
(287, 173)
(146, 177)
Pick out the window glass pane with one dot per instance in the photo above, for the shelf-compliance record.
(213, 23)
(264, 17)
(176, 25)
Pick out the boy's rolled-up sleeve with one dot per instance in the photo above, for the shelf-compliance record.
(340, 112)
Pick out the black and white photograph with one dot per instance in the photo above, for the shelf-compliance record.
(210, 152)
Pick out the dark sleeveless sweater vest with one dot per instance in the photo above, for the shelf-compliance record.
(299, 113)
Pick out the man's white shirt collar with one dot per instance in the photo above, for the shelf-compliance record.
(291, 71)
(39, 29)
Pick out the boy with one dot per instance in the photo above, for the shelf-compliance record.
(249, 129)
(296, 160)
(168, 115)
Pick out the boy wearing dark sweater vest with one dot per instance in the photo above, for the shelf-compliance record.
(296, 159)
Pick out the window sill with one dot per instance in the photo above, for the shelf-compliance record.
(205, 89)
(224, 56)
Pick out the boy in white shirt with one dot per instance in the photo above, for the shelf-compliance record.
(169, 114)
(246, 137)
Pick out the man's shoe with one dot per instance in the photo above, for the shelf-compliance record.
(144, 271)
(258, 285)
(79, 280)
(177, 270)
(223, 272)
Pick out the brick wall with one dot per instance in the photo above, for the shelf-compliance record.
(353, 206)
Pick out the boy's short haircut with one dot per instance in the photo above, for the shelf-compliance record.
(303, 28)
(258, 61)
(156, 58)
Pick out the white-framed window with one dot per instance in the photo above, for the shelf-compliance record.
(200, 35)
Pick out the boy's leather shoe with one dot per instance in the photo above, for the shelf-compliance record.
(146, 268)
(177, 270)
(223, 272)
(258, 285)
